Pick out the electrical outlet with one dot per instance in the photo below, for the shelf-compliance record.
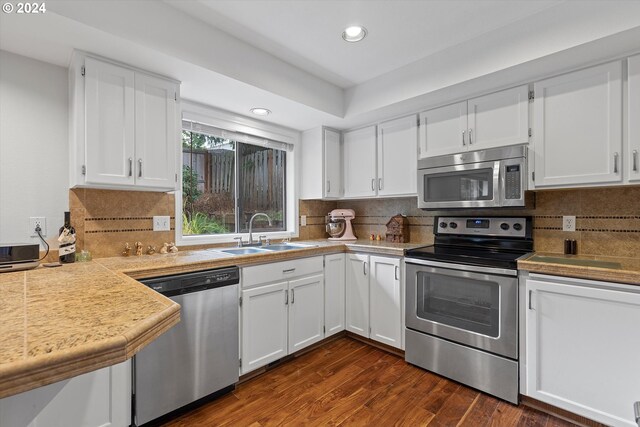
(303, 220)
(161, 223)
(35, 221)
(568, 223)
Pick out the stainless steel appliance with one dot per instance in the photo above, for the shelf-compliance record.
(477, 179)
(197, 359)
(19, 256)
(339, 224)
(462, 302)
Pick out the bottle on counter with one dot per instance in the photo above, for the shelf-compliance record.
(67, 240)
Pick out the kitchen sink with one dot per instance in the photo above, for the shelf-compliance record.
(575, 261)
(286, 246)
(242, 251)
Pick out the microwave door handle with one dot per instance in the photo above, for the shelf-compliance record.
(498, 183)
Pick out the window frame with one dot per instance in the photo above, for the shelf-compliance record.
(235, 123)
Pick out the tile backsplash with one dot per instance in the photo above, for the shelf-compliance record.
(607, 219)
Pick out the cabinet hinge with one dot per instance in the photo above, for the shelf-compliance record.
(532, 95)
(530, 133)
(323, 262)
(324, 329)
(418, 122)
(369, 330)
(82, 70)
(175, 96)
(176, 177)
(533, 176)
(240, 302)
(84, 170)
(240, 363)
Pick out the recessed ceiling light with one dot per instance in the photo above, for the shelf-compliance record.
(261, 111)
(354, 33)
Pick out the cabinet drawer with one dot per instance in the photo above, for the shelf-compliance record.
(285, 270)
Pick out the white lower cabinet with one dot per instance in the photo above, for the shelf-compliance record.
(375, 298)
(583, 347)
(334, 294)
(282, 315)
(99, 398)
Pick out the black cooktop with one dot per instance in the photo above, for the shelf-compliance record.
(468, 255)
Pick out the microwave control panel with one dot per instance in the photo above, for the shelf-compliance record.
(513, 178)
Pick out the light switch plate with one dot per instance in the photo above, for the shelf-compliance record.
(161, 223)
(568, 223)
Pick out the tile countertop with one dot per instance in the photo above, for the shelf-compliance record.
(609, 269)
(57, 323)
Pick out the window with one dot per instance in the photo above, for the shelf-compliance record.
(227, 178)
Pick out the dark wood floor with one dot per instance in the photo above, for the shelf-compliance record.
(346, 382)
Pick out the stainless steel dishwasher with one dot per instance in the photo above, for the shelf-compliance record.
(197, 359)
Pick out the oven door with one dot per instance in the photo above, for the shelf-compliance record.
(473, 185)
(466, 304)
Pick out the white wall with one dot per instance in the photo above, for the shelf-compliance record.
(33, 146)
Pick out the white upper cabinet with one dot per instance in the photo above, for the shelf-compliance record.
(321, 164)
(360, 177)
(498, 119)
(633, 156)
(577, 132)
(156, 132)
(124, 127)
(493, 120)
(443, 130)
(397, 156)
(110, 125)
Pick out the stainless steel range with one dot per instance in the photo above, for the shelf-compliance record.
(462, 302)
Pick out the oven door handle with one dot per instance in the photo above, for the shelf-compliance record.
(463, 267)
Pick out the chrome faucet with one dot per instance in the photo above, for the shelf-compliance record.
(251, 226)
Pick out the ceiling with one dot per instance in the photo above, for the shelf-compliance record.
(288, 55)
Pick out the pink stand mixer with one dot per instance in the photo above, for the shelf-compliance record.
(339, 224)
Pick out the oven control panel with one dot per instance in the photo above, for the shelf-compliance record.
(482, 226)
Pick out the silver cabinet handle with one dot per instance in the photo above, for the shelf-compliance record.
(530, 298)
(130, 166)
(395, 272)
(463, 143)
(634, 155)
(470, 133)
(615, 162)
(328, 186)
(139, 168)
(364, 268)
(373, 184)
(286, 298)
(293, 296)
(379, 183)
(291, 270)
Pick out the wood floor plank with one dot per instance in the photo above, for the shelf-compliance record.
(349, 383)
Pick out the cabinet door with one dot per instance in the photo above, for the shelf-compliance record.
(100, 398)
(582, 348)
(397, 156)
(498, 119)
(385, 301)
(156, 132)
(306, 312)
(443, 130)
(577, 132)
(109, 123)
(334, 294)
(332, 164)
(358, 294)
(264, 325)
(633, 159)
(360, 162)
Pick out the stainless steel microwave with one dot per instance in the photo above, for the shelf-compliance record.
(492, 178)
